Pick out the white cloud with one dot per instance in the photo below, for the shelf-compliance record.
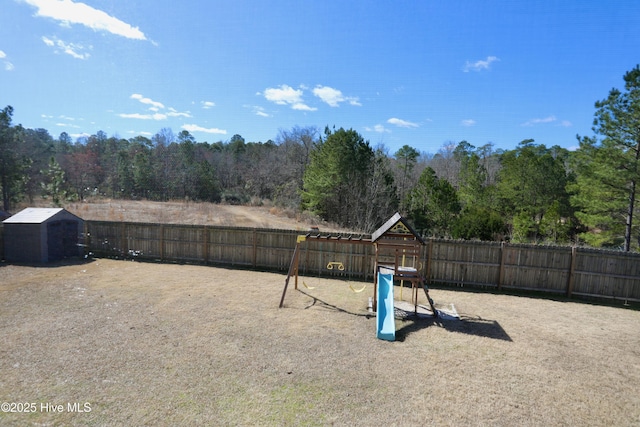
(258, 111)
(174, 113)
(147, 101)
(69, 12)
(133, 132)
(286, 95)
(302, 107)
(333, 97)
(402, 123)
(8, 66)
(378, 128)
(178, 114)
(566, 123)
(72, 49)
(468, 122)
(156, 109)
(155, 116)
(196, 128)
(79, 135)
(533, 122)
(327, 94)
(207, 104)
(482, 64)
(283, 95)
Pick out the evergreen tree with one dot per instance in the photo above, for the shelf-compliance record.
(406, 158)
(433, 205)
(55, 184)
(608, 169)
(472, 177)
(531, 184)
(478, 218)
(335, 182)
(13, 166)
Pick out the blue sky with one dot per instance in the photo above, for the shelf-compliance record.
(421, 73)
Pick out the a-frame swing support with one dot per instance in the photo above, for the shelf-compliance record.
(293, 268)
(295, 259)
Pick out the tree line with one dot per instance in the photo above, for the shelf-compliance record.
(532, 193)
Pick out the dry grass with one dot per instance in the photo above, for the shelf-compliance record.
(195, 213)
(149, 344)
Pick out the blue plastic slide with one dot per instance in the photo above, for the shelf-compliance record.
(385, 319)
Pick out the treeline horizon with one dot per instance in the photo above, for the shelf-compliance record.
(532, 193)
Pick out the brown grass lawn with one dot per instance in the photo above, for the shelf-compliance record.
(150, 344)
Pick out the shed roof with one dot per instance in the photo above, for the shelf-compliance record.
(34, 215)
(391, 223)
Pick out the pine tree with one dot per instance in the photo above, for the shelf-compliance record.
(608, 169)
(55, 184)
(433, 205)
(13, 166)
(339, 177)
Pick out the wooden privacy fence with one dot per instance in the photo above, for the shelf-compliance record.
(554, 269)
(243, 247)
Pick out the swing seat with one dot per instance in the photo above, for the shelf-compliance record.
(357, 291)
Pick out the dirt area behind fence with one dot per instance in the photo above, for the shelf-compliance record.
(198, 213)
(150, 344)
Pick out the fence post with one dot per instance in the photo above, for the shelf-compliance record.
(205, 242)
(428, 260)
(501, 271)
(87, 239)
(124, 250)
(572, 269)
(254, 258)
(161, 242)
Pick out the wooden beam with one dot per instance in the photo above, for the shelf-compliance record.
(572, 270)
(292, 266)
(503, 252)
(205, 243)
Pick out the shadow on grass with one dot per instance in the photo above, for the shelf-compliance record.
(318, 302)
(413, 323)
(615, 301)
(466, 325)
(51, 264)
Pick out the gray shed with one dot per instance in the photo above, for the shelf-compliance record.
(42, 235)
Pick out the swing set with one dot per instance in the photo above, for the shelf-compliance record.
(397, 249)
(340, 266)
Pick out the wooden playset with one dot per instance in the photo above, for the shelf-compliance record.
(397, 251)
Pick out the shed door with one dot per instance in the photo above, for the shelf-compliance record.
(62, 239)
(55, 241)
(70, 238)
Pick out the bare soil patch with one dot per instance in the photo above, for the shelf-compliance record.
(151, 344)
